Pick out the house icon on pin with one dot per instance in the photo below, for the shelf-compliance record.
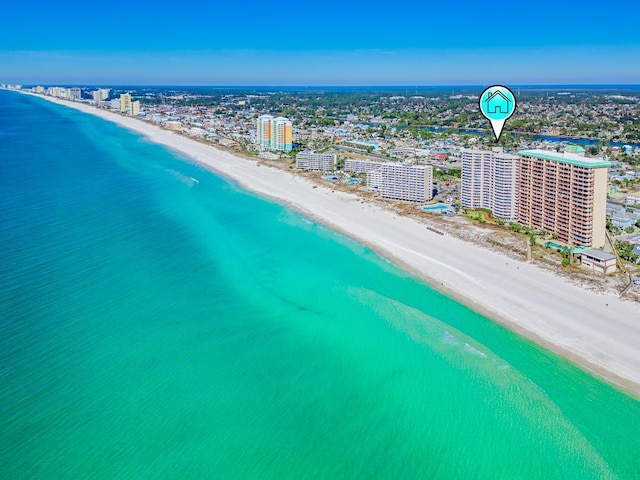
(498, 103)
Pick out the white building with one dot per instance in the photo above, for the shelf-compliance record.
(633, 198)
(59, 92)
(374, 179)
(309, 160)
(490, 180)
(100, 95)
(599, 261)
(402, 181)
(173, 125)
(196, 132)
(360, 166)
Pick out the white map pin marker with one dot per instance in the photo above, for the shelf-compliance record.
(497, 103)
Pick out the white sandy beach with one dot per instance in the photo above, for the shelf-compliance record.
(599, 332)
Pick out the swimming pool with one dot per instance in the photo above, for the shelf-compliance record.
(564, 248)
(438, 207)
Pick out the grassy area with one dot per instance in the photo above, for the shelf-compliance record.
(480, 216)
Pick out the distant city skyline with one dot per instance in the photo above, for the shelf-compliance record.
(335, 43)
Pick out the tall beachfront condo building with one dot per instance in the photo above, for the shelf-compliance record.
(57, 92)
(101, 94)
(281, 134)
(564, 193)
(274, 133)
(490, 180)
(309, 160)
(125, 103)
(402, 181)
(263, 131)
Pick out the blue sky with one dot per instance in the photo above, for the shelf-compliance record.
(320, 43)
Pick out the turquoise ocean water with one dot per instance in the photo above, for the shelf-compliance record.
(159, 322)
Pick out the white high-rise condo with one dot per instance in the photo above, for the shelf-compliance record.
(490, 180)
(308, 160)
(360, 166)
(401, 181)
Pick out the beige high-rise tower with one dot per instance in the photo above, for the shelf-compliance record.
(564, 193)
(125, 103)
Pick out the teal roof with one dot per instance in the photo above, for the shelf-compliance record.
(566, 157)
(574, 148)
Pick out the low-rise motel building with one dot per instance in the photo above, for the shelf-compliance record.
(489, 179)
(633, 199)
(311, 160)
(599, 261)
(564, 193)
(274, 133)
(402, 181)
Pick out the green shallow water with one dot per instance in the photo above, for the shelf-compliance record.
(158, 322)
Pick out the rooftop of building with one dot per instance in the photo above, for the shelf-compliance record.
(405, 165)
(315, 152)
(599, 254)
(494, 151)
(577, 149)
(566, 157)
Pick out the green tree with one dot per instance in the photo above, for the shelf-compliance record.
(625, 251)
(515, 227)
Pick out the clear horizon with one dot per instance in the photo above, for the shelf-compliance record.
(335, 44)
(410, 88)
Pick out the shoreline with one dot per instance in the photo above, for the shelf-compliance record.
(597, 332)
